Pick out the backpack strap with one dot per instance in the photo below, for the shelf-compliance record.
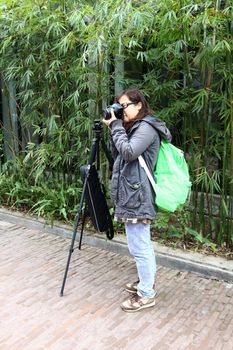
(148, 173)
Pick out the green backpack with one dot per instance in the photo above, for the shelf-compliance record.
(172, 185)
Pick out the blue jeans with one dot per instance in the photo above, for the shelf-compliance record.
(140, 247)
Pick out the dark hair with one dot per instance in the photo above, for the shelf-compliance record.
(136, 96)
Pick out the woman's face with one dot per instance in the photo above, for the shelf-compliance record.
(130, 110)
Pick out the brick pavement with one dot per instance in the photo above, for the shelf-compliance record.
(190, 313)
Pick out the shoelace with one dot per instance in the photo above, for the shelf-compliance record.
(134, 298)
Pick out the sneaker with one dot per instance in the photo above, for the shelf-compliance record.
(137, 303)
(132, 287)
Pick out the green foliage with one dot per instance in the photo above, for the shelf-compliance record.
(62, 57)
(176, 229)
(48, 198)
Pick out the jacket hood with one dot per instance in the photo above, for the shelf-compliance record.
(160, 126)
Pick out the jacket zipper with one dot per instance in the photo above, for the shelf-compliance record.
(118, 180)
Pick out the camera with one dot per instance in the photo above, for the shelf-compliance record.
(117, 109)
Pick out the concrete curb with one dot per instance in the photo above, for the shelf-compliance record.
(207, 266)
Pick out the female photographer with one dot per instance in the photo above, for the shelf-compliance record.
(138, 133)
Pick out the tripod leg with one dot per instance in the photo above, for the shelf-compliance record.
(108, 155)
(82, 228)
(69, 257)
(74, 236)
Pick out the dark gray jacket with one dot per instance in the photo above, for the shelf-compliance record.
(131, 190)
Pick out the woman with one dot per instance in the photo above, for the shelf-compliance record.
(137, 134)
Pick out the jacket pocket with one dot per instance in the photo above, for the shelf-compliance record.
(130, 194)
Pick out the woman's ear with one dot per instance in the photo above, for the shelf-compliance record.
(139, 106)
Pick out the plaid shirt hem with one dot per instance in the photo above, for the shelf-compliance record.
(132, 220)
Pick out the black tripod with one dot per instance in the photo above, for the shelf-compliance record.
(92, 192)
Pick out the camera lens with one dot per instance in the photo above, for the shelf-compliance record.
(117, 109)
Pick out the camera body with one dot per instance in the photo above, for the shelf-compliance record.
(117, 109)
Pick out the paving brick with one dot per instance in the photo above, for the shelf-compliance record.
(191, 313)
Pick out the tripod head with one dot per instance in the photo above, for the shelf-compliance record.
(97, 128)
(94, 155)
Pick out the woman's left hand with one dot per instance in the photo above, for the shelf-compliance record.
(109, 121)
